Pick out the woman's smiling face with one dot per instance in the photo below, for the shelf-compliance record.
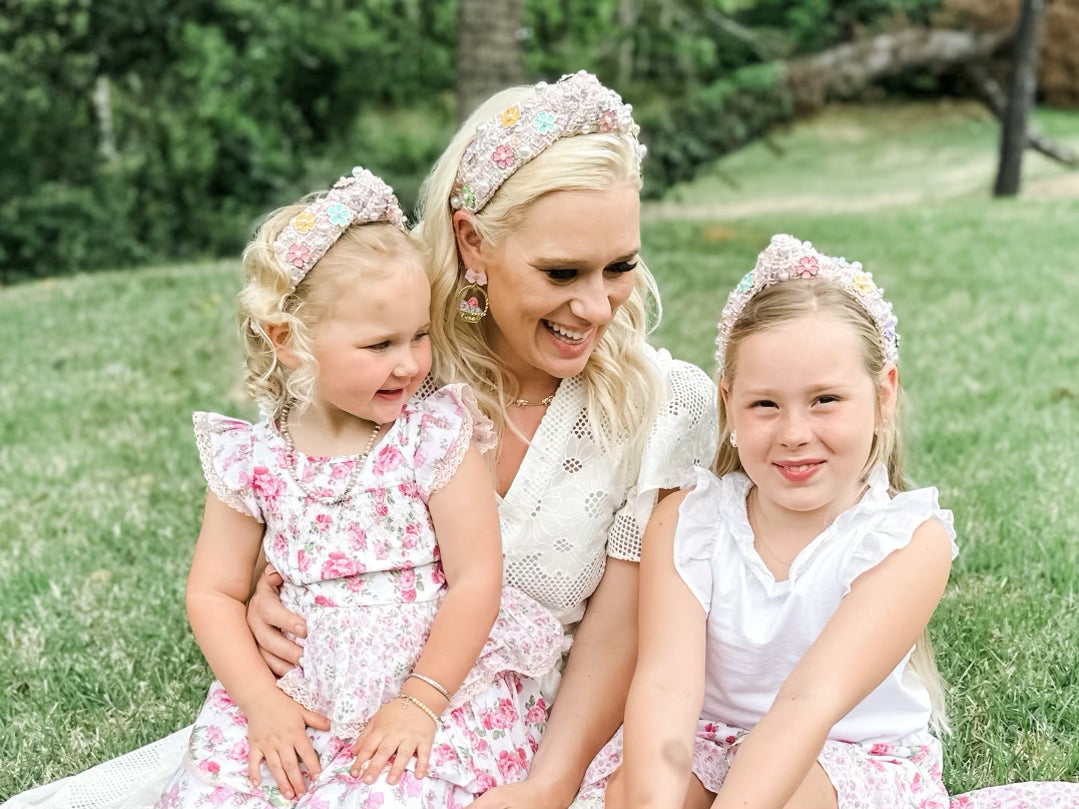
(556, 281)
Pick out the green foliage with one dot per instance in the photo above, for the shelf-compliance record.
(162, 129)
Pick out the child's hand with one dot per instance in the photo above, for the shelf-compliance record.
(398, 729)
(277, 732)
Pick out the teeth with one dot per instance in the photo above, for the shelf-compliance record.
(575, 336)
(800, 468)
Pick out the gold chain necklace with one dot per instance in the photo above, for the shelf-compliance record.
(293, 467)
(546, 400)
(761, 539)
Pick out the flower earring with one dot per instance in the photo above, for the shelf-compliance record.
(469, 308)
(734, 438)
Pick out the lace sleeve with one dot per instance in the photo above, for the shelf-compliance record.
(450, 419)
(226, 450)
(683, 436)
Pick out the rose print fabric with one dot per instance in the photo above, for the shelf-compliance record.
(363, 569)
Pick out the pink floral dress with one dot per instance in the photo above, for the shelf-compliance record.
(365, 574)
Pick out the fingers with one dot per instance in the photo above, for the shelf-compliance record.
(401, 758)
(315, 720)
(272, 577)
(254, 758)
(423, 757)
(310, 759)
(285, 770)
(377, 762)
(267, 618)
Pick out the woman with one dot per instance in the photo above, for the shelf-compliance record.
(531, 226)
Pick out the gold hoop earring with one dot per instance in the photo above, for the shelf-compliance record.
(469, 307)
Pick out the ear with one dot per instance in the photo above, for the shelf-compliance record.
(889, 391)
(469, 241)
(279, 335)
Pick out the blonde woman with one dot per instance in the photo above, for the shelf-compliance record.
(530, 223)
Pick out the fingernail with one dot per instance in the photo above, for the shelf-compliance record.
(297, 629)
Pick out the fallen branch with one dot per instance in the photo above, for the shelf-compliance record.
(992, 95)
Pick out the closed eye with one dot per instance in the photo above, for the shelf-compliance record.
(378, 346)
(622, 266)
(561, 274)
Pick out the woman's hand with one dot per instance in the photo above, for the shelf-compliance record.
(269, 620)
(525, 794)
(399, 730)
(277, 733)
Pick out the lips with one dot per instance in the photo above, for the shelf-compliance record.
(568, 335)
(798, 471)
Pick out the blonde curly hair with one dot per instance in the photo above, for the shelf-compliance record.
(267, 300)
(620, 383)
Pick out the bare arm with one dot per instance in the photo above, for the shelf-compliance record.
(217, 588)
(668, 684)
(466, 524)
(874, 627)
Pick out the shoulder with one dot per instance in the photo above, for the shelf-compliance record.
(685, 382)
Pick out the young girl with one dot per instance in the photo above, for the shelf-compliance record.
(345, 486)
(800, 576)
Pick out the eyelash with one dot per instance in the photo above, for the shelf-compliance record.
(831, 399)
(386, 343)
(570, 274)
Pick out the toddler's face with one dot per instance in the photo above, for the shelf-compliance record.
(372, 347)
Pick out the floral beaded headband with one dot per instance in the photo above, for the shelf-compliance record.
(361, 198)
(787, 258)
(577, 104)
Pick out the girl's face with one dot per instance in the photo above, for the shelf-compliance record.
(372, 345)
(805, 408)
(556, 281)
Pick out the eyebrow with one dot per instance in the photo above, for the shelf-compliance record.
(573, 262)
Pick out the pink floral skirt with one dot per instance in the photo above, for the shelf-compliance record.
(881, 776)
(485, 743)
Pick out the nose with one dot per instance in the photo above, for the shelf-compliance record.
(794, 429)
(407, 365)
(592, 300)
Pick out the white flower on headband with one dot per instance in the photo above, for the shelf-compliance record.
(577, 104)
(361, 198)
(786, 259)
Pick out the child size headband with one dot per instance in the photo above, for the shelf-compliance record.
(789, 259)
(577, 104)
(361, 198)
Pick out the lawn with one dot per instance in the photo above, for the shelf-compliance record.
(102, 489)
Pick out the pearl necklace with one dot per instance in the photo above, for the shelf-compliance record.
(293, 467)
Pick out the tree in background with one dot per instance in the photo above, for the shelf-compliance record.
(489, 55)
(1013, 135)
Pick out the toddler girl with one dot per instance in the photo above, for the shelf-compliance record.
(800, 576)
(415, 684)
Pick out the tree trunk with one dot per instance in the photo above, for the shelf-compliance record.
(488, 51)
(1013, 134)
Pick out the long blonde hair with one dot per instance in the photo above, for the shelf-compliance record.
(784, 302)
(268, 299)
(619, 382)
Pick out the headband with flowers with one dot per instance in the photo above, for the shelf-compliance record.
(577, 104)
(361, 198)
(787, 258)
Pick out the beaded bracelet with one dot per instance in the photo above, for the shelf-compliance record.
(435, 685)
(421, 706)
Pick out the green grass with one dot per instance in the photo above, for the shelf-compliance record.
(102, 491)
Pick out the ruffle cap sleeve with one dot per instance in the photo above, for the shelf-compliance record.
(683, 435)
(700, 520)
(891, 528)
(449, 420)
(226, 449)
